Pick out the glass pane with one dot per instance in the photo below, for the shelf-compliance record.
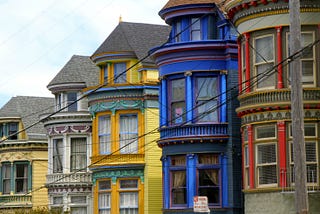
(178, 160)
(78, 199)
(264, 80)
(178, 113)
(128, 134)
(104, 201)
(267, 153)
(307, 72)
(178, 187)
(105, 185)
(128, 184)
(178, 90)
(207, 111)
(267, 174)
(104, 134)
(266, 132)
(208, 159)
(120, 74)
(264, 46)
(58, 150)
(72, 97)
(307, 39)
(105, 73)
(311, 153)
(312, 173)
(78, 154)
(309, 130)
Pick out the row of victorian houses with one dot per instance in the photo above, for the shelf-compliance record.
(159, 114)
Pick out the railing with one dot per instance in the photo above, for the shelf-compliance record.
(194, 130)
(69, 178)
(279, 96)
(15, 200)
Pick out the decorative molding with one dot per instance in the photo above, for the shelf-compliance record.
(116, 105)
(69, 129)
(114, 174)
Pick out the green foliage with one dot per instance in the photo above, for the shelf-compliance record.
(39, 210)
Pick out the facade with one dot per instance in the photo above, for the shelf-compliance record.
(23, 154)
(265, 102)
(199, 137)
(69, 180)
(126, 170)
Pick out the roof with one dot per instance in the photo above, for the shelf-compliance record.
(138, 38)
(28, 109)
(79, 69)
(174, 3)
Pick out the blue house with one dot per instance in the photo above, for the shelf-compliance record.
(199, 129)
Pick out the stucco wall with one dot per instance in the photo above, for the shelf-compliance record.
(277, 203)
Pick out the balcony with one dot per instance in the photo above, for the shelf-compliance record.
(275, 97)
(16, 201)
(66, 179)
(194, 132)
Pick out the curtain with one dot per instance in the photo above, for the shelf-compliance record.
(129, 203)
(6, 174)
(178, 179)
(128, 134)
(104, 134)
(104, 203)
(209, 159)
(78, 153)
(57, 155)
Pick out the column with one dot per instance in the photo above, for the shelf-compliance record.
(163, 102)
(166, 182)
(247, 46)
(282, 153)
(191, 179)
(223, 97)
(189, 91)
(279, 58)
(251, 156)
(224, 180)
(239, 66)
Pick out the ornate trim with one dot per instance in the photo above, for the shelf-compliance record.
(116, 105)
(69, 129)
(114, 174)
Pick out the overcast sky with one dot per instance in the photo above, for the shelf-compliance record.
(37, 38)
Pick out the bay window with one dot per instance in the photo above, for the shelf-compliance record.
(264, 61)
(104, 132)
(78, 154)
(177, 101)
(206, 99)
(57, 156)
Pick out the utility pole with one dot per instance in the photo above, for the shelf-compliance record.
(301, 194)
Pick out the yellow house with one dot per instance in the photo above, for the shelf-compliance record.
(23, 154)
(125, 163)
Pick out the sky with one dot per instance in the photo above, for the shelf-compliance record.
(37, 38)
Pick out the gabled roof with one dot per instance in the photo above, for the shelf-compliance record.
(79, 69)
(137, 38)
(28, 109)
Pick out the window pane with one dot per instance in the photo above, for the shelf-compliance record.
(310, 130)
(264, 80)
(267, 153)
(13, 129)
(264, 46)
(307, 72)
(21, 178)
(178, 101)
(209, 184)
(78, 210)
(267, 174)
(104, 135)
(178, 90)
(208, 159)
(266, 132)
(6, 178)
(57, 155)
(72, 97)
(78, 199)
(105, 185)
(104, 202)
(128, 134)
(178, 187)
(105, 73)
(179, 160)
(129, 184)
(78, 154)
(129, 203)
(120, 74)
(195, 29)
(178, 31)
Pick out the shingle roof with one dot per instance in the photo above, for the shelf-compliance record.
(138, 38)
(79, 69)
(28, 109)
(174, 3)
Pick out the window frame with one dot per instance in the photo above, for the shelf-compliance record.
(178, 168)
(123, 78)
(23, 178)
(208, 99)
(257, 79)
(244, 67)
(313, 59)
(193, 23)
(127, 147)
(7, 179)
(246, 165)
(108, 135)
(56, 156)
(6, 129)
(107, 192)
(173, 119)
(78, 155)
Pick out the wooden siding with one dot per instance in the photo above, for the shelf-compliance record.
(153, 170)
(40, 194)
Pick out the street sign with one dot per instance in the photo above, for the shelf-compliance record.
(200, 204)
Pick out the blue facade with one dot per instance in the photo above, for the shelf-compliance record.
(199, 130)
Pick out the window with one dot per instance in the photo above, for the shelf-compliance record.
(177, 30)
(178, 180)
(206, 99)
(9, 130)
(266, 162)
(57, 155)
(78, 204)
(71, 101)
(307, 58)
(57, 204)
(243, 64)
(78, 154)
(104, 134)
(246, 166)
(6, 178)
(195, 29)
(128, 133)
(21, 178)
(129, 196)
(265, 132)
(264, 61)
(120, 74)
(208, 173)
(310, 134)
(177, 102)
(16, 172)
(212, 27)
(105, 74)
(104, 198)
